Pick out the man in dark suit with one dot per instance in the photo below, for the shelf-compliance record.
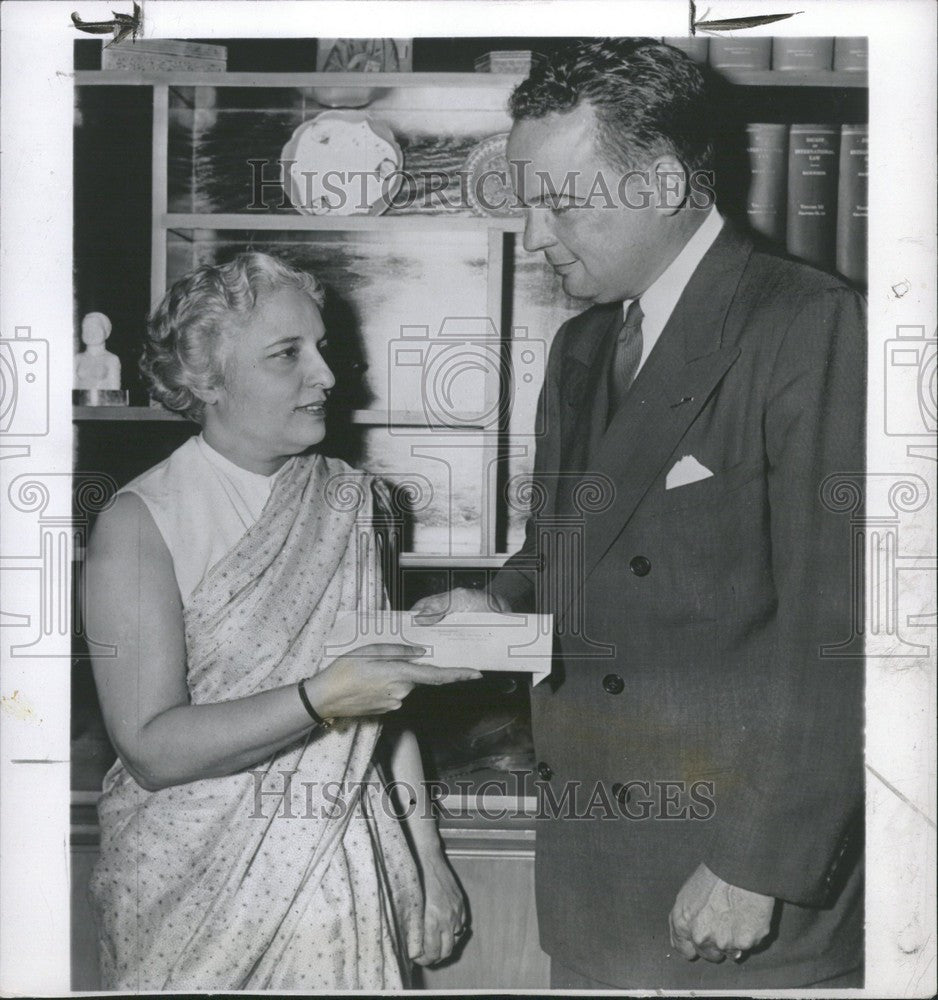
(712, 751)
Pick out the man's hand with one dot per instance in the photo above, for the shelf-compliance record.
(715, 920)
(444, 913)
(430, 610)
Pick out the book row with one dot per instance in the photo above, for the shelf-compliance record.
(782, 54)
(808, 192)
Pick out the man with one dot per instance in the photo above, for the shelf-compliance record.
(707, 393)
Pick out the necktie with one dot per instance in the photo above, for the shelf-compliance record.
(627, 355)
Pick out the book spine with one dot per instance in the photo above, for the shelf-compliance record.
(853, 202)
(766, 204)
(697, 48)
(851, 54)
(740, 53)
(802, 53)
(812, 193)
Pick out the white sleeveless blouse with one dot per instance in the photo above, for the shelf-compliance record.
(202, 504)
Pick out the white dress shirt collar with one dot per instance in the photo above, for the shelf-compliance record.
(660, 298)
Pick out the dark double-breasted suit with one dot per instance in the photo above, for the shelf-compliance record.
(693, 714)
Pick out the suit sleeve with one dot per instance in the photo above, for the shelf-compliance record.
(783, 829)
(517, 580)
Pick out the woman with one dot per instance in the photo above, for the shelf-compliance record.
(228, 860)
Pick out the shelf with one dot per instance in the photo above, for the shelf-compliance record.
(363, 81)
(741, 77)
(367, 418)
(794, 78)
(148, 413)
(345, 223)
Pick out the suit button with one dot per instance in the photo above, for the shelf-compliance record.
(544, 771)
(621, 794)
(640, 566)
(613, 684)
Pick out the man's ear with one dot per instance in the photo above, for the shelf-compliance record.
(671, 184)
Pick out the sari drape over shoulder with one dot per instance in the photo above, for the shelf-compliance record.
(293, 874)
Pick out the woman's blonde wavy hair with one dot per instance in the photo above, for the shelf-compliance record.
(183, 352)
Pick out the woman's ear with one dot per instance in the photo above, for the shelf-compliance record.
(670, 184)
(208, 396)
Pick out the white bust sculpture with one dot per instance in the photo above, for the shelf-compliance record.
(96, 367)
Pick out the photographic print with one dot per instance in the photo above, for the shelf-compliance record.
(620, 318)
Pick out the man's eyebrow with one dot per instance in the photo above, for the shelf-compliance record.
(551, 198)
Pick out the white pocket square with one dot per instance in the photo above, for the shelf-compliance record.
(685, 471)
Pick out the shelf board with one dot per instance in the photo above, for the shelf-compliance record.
(363, 81)
(741, 77)
(344, 223)
(110, 413)
(367, 418)
(795, 78)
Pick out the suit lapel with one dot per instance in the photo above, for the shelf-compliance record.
(583, 380)
(580, 386)
(682, 371)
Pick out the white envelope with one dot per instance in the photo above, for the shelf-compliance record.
(521, 643)
(686, 471)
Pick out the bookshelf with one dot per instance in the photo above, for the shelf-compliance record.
(198, 191)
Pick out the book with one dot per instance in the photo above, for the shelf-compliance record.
(697, 48)
(517, 61)
(767, 201)
(851, 54)
(802, 53)
(740, 53)
(812, 193)
(853, 202)
(163, 55)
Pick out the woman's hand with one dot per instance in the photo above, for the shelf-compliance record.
(444, 912)
(375, 679)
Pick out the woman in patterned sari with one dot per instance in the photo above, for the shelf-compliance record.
(246, 843)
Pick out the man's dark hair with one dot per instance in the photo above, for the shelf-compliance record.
(649, 98)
